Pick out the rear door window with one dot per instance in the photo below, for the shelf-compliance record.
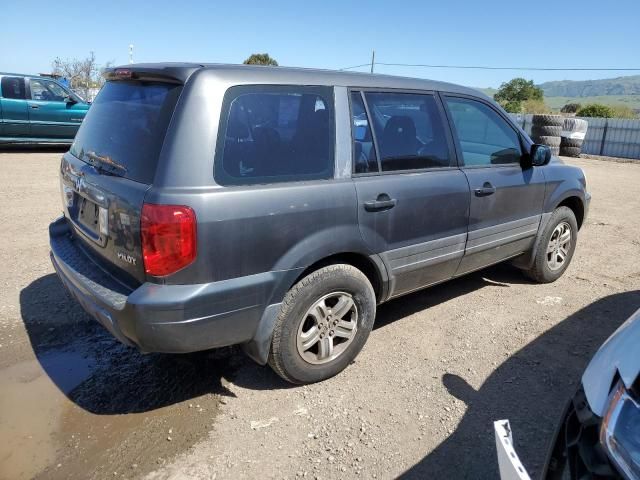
(409, 131)
(275, 134)
(125, 127)
(13, 87)
(365, 159)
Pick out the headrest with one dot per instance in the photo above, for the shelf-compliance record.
(400, 126)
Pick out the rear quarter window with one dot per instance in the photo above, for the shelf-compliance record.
(274, 134)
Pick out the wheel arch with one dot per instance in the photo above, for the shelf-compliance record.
(370, 265)
(576, 205)
(372, 268)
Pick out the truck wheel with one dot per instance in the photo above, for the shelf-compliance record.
(555, 247)
(323, 324)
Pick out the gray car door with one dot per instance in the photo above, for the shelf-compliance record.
(506, 200)
(413, 201)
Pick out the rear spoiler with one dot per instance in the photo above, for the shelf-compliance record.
(169, 73)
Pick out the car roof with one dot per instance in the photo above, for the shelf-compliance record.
(25, 75)
(302, 76)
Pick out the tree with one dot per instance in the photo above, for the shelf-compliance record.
(82, 74)
(534, 106)
(511, 94)
(571, 108)
(595, 110)
(261, 59)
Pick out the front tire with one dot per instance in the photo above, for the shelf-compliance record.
(324, 322)
(555, 247)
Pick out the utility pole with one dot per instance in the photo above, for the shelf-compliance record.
(131, 53)
(373, 59)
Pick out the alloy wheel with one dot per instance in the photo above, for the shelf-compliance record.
(328, 328)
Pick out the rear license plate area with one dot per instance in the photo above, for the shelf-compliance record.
(89, 216)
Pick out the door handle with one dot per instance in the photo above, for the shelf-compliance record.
(383, 202)
(486, 190)
(34, 106)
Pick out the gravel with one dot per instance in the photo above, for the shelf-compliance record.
(440, 366)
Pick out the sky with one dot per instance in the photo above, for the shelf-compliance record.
(334, 34)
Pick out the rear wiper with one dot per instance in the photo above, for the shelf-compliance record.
(105, 163)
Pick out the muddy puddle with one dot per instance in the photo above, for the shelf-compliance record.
(80, 405)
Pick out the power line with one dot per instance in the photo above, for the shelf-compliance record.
(356, 66)
(485, 67)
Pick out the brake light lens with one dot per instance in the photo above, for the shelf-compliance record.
(168, 238)
(123, 73)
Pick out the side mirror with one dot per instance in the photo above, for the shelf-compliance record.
(540, 155)
(70, 99)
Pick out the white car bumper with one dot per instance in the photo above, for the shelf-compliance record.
(510, 466)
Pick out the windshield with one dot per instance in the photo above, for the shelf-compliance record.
(125, 127)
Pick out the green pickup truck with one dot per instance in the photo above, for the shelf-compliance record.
(35, 109)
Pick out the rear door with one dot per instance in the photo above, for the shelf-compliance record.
(413, 201)
(110, 167)
(50, 116)
(506, 200)
(13, 106)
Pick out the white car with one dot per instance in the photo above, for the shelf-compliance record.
(599, 436)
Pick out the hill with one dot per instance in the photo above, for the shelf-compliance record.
(609, 91)
(590, 88)
(631, 101)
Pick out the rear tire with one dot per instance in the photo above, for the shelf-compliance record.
(553, 252)
(309, 313)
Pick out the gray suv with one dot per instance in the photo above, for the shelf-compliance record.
(212, 205)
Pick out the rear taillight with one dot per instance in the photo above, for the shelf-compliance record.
(168, 238)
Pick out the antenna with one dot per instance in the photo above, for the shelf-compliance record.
(131, 53)
(373, 59)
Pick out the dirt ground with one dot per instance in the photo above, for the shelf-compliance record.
(440, 366)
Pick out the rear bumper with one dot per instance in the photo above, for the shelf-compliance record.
(165, 318)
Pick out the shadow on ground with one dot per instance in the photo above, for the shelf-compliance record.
(530, 389)
(503, 275)
(104, 377)
(101, 375)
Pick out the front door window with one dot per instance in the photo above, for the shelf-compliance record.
(484, 137)
(47, 91)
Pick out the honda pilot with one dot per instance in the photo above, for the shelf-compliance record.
(275, 208)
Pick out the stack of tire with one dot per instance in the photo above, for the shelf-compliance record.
(573, 132)
(546, 129)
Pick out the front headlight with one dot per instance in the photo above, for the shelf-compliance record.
(620, 432)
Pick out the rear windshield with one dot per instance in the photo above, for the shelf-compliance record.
(124, 129)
